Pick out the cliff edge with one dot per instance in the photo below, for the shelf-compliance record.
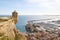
(8, 30)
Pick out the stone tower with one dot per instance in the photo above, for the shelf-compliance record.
(15, 16)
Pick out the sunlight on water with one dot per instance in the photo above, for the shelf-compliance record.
(23, 20)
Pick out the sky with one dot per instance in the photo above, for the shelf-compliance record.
(30, 7)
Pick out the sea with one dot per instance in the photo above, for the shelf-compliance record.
(23, 19)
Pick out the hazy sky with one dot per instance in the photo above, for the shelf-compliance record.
(30, 7)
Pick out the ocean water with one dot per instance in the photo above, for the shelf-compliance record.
(22, 20)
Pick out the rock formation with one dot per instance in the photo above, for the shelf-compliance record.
(15, 16)
(8, 30)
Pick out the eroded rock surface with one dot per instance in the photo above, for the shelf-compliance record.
(8, 31)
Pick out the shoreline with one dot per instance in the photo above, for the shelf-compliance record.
(37, 29)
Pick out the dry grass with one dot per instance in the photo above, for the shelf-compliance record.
(2, 20)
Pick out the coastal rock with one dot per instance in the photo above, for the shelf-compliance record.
(8, 31)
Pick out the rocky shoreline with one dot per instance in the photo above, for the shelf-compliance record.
(43, 30)
(49, 30)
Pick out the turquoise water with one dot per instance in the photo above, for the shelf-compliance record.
(22, 20)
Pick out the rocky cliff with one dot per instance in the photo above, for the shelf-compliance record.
(8, 31)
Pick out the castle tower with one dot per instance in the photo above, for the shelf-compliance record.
(15, 16)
